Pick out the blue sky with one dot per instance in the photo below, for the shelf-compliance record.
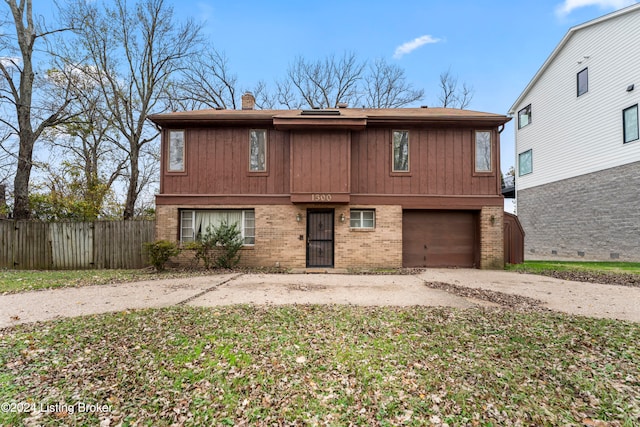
(494, 46)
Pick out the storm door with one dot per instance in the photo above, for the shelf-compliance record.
(320, 238)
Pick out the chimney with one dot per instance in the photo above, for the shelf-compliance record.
(248, 101)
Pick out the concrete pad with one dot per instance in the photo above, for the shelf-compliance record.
(51, 304)
(586, 299)
(366, 290)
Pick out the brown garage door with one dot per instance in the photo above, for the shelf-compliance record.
(439, 239)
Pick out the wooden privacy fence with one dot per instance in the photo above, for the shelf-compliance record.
(74, 245)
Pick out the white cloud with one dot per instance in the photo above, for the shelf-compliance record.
(569, 6)
(409, 47)
(10, 61)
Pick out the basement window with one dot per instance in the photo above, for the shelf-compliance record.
(194, 223)
(362, 219)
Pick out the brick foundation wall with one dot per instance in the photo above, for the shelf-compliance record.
(378, 248)
(491, 238)
(589, 217)
(278, 236)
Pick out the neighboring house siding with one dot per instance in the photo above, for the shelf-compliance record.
(571, 135)
(592, 217)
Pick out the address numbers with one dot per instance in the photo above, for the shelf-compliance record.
(321, 197)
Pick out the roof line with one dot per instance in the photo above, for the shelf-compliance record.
(563, 42)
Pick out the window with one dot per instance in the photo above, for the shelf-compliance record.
(583, 81)
(483, 151)
(363, 218)
(525, 165)
(194, 223)
(630, 123)
(524, 116)
(400, 151)
(176, 151)
(257, 150)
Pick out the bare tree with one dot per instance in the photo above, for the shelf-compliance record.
(33, 114)
(206, 83)
(324, 83)
(451, 96)
(87, 143)
(134, 51)
(264, 99)
(386, 87)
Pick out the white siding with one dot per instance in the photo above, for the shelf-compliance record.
(570, 135)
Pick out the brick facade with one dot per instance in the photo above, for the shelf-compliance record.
(491, 237)
(280, 240)
(591, 217)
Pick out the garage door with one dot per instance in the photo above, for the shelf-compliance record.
(439, 239)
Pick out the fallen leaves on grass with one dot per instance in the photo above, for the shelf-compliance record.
(325, 365)
(605, 278)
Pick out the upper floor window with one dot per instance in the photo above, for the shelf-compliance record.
(524, 116)
(483, 151)
(630, 123)
(176, 151)
(583, 81)
(400, 151)
(525, 163)
(362, 218)
(257, 150)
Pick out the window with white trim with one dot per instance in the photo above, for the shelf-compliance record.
(362, 218)
(400, 151)
(194, 223)
(483, 151)
(257, 150)
(175, 156)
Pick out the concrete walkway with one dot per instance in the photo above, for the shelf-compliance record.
(587, 299)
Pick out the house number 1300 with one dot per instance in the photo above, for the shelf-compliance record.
(321, 197)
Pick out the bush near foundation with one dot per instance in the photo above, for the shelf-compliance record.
(218, 247)
(160, 251)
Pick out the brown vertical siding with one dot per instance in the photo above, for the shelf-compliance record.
(217, 163)
(320, 162)
(333, 161)
(441, 163)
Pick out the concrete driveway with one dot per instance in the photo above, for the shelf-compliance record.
(587, 299)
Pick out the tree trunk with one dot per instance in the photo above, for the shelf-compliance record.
(132, 192)
(21, 208)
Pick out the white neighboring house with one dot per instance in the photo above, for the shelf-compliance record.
(578, 145)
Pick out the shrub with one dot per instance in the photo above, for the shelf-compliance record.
(219, 246)
(160, 251)
(228, 240)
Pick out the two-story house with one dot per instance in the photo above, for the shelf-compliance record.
(578, 146)
(337, 188)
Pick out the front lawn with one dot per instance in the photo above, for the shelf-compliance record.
(594, 266)
(12, 281)
(611, 273)
(322, 365)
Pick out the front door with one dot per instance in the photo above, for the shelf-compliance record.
(320, 238)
